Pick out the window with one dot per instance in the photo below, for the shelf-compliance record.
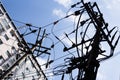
(18, 56)
(1, 41)
(6, 37)
(1, 28)
(4, 21)
(13, 48)
(12, 61)
(14, 51)
(12, 33)
(1, 59)
(6, 66)
(8, 53)
(1, 13)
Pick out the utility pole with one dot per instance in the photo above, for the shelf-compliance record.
(88, 63)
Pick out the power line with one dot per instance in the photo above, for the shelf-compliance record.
(52, 23)
(52, 71)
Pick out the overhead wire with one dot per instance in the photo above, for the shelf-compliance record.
(76, 36)
(76, 13)
(27, 24)
(55, 22)
(20, 22)
(48, 24)
(56, 60)
(52, 23)
(44, 25)
(49, 75)
(58, 65)
(55, 73)
(60, 40)
(57, 37)
(83, 38)
(115, 54)
(27, 74)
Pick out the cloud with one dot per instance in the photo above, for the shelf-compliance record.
(65, 3)
(59, 13)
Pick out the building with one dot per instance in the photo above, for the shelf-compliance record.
(16, 60)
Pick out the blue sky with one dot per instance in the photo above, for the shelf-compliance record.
(42, 12)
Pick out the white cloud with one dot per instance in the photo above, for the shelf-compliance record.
(59, 13)
(65, 3)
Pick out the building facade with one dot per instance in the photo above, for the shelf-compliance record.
(15, 62)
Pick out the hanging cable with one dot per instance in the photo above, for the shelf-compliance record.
(77, 33)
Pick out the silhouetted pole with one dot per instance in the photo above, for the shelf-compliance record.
(88, 63)
(92, 63)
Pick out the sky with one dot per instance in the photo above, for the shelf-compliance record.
(42, 12)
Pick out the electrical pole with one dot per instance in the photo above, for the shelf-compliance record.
(88, 63)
